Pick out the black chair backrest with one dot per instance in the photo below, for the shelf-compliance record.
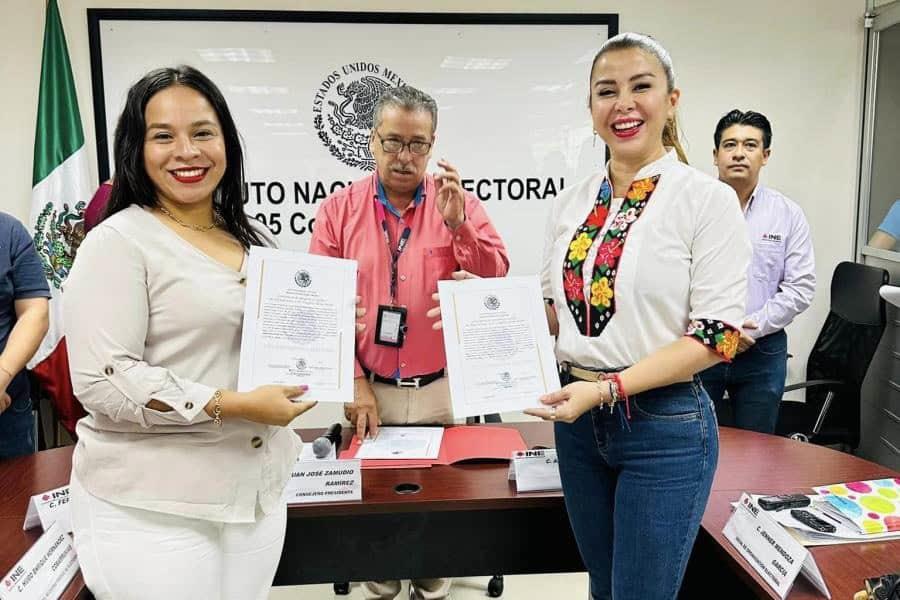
(854, 293)
(847, 343)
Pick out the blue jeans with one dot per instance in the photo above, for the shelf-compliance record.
(636, 490)
(17, 428)
(754, 380)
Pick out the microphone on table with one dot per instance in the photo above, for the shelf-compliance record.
(322, 444)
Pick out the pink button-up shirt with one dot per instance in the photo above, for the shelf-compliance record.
(347, 226)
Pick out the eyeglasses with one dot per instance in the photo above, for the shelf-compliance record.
(392, 146)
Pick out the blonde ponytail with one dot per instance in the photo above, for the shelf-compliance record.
(671, 139)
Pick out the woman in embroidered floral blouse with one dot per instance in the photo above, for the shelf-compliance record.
(646, 263)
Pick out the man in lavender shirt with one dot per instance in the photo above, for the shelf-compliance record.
(781, 279)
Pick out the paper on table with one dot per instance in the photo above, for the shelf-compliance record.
(459, 443)
(845, 532)
(378, 463)
(872, 506)
(299, 323)
(417, 443)
(499, 350)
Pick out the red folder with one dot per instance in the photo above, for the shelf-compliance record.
(472, 442)
(460, 443)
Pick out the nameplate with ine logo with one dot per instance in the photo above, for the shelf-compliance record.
(770, 550)
(324, 481)
(535, 470)
(45, 571)
(48, 508)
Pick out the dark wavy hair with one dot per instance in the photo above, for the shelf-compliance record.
(132, 185)
(751, 118)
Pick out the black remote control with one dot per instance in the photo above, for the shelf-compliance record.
(811, 520)
(784, 501)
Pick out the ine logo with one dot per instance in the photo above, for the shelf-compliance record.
(343, 110)
(302, 279)
(301, 364)
(491, 302)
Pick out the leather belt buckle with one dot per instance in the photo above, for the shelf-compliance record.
(414, 383)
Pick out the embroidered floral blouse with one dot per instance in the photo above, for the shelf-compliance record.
(631, 275)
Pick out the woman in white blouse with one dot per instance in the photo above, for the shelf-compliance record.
(177, 479)
(645, 263)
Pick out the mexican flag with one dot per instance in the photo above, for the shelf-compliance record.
(61, 190)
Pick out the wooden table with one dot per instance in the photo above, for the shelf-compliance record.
(764, 464)
(20, 479)
(475, 523)
(466, 520)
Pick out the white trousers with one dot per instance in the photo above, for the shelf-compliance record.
(133, 554)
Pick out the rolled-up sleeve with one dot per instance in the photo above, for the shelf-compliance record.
(105, 312)
(720, 256)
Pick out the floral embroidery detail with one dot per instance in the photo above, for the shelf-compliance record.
(728, 345)
(573, 285)
(623, 220)
(609, 252)
(641, 189)
(601, 293)
(592, 314)
(579, 247)
(719, 337)
(597, 217)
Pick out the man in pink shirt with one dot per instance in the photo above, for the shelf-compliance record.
(408, 230)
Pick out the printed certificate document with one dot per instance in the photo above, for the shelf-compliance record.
(403, 443)
(499, 349)
(299, 323)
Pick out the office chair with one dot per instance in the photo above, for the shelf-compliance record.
(838, 361)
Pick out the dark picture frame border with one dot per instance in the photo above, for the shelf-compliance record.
(97, 15)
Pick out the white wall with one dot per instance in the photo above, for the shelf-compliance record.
(799, 62)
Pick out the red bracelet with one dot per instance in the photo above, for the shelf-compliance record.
(620, 389)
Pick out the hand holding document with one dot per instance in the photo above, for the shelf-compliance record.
(299, 326)
(499, 350)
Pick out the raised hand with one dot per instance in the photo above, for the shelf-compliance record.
(451, 201)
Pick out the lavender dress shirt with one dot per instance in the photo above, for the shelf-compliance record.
(782, 277)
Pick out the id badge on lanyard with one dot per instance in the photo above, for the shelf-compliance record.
(390, 328)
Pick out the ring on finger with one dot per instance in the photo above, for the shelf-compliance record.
(552, 413)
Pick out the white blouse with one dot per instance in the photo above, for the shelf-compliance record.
(149, 316)
(682, 269)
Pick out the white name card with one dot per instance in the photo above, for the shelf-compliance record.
(324, 481)
(44, 571)
(535, 470)
(771, 551)
(48, 508)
